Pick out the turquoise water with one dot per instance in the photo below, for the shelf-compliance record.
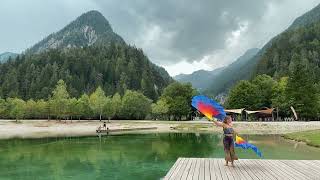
(131, 156)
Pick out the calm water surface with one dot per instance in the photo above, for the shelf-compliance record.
(131, 156)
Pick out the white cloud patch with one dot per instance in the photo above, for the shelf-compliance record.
(184, 67)
(181, 35)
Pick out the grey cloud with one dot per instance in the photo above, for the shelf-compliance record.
(198, 27)
(168, 31)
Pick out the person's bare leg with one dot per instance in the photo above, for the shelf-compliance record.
(226, 164)
(232, 164)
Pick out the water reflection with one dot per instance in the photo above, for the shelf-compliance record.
(139, 156)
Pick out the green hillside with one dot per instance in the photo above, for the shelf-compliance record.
(85, 54)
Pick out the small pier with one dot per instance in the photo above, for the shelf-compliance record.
(246, 169)
(107, 131)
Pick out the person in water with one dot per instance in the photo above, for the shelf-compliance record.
(228, 139)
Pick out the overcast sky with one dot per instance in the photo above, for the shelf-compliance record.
(181, 35)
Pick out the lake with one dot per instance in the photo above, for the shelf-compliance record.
(128, 156)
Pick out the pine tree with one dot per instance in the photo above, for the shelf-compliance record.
(301, 91)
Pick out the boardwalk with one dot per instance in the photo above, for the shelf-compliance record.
(125, 129)
(209, 169)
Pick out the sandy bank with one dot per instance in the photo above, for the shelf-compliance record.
(44, 128)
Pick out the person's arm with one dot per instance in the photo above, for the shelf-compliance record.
(235, 132)
(217, 123)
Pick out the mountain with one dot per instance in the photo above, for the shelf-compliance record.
(5, 56)
(306, 19)
(240, 69)
(300, 41)
(84, 61)
(199, 79)
(90, 28)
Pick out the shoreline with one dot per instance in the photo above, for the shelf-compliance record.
(310, 138)
(33, 129)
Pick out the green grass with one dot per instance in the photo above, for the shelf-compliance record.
(312, 138)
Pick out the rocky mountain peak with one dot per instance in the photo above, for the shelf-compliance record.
(88, 29)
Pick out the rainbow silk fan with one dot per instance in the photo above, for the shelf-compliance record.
(208, 107)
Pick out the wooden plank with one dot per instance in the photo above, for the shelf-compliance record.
(234, 172)
(192, 168)
(172, 169)
(187, 169)
(266, 170)
(257, 169)
(201, 169)
(196, 170)
(207, 175)
(246, 171)
(182, 169)
(303, 168)
(288, 166)
(282, 172)
(251, 171)
(125, 129)
(222, 174)
(312, 165)
(214, 172)
(279, 173)
(175, 174)
(243, 171)
(316, 162)
(225, 169)
(298, 173)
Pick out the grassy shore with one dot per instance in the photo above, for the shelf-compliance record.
(312, 137)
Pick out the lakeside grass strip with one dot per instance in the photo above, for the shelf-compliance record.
(311, 138)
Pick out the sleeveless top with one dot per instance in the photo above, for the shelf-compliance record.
(228, 130)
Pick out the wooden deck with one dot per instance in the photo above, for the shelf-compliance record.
(211, 168)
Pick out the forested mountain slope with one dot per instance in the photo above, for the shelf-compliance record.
(199, 79)
(85, 54)
(240, 69)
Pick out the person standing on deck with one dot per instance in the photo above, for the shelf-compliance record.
(228, 139)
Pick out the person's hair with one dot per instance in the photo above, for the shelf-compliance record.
(226, 119)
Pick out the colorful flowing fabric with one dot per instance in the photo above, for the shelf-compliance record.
(240, 142)
(208, 107)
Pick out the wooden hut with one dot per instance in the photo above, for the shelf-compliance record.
(236, 114)
(265, 114)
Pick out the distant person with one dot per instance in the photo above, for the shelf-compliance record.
(228, 139)
(104, 125)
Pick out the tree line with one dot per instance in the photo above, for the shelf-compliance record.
(174, 104)
(292, 62)
(115, 68)
(300, 90)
